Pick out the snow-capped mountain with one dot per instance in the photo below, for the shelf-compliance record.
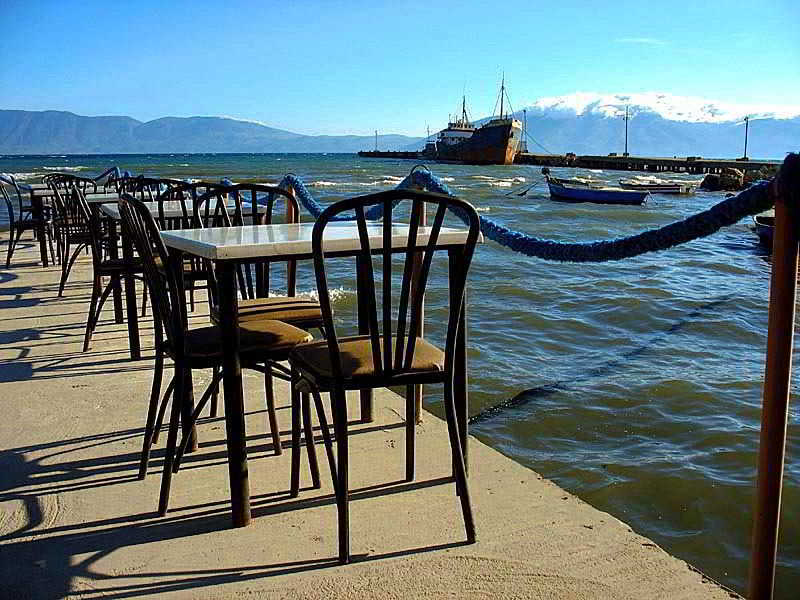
(690, 109)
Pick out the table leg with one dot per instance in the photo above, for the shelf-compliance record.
(37, 212)
(130, 299)
(234, 401)
(460, 383)
(363, 328)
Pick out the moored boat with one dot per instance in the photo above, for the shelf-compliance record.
(493, 143)
(561, 190)
(657, 186)
(765, 228)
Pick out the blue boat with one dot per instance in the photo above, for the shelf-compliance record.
(582, 192)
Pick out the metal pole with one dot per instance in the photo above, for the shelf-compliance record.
(777, 380)
(746, 128)
(626, 130)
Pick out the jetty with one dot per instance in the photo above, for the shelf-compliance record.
(77, 521)
(613, 162)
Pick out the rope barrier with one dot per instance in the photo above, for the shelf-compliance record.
(753, 200)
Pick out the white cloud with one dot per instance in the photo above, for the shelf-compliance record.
(668, 106)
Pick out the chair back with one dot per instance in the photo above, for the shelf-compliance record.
(418, 245)
(92, 223)
(165, 290)
(68, 215)
(245, 204)
(8, 182)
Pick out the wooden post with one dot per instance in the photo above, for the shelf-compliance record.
(777, 380)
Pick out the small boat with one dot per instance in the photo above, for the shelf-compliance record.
(765, 228)
(565, 190)
(657, 186)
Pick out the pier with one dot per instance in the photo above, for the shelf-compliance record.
(613, 162)
(78, 521)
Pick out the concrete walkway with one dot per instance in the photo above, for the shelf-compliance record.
(76, 522)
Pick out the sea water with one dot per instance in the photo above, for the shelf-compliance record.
(638, 383)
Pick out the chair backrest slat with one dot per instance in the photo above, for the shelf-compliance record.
(393, 354)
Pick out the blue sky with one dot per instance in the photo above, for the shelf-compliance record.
(353, 67)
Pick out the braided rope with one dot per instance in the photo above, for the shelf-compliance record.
(753, 200)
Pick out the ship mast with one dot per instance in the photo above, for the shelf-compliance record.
(502, 93)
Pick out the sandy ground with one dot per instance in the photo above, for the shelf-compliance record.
(76, 522)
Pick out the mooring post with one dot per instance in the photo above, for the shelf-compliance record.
(777, 380)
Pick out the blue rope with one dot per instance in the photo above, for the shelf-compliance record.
(750, 201)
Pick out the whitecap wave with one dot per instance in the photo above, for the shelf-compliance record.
(78, 168)
(482, 208)
(501, 183)
(323, 183)
(447, 178)
(339, 294)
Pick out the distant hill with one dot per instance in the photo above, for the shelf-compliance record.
(583, 123)
(660, 125)
(58, 132)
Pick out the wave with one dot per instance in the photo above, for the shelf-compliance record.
(78, 168)
(323, 183)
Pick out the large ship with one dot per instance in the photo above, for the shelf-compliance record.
(494, 143)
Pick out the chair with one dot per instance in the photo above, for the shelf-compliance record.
(102, 264)
(21, 219)
(386, 357)
(262, 342)
(70, 226)
(255, 204)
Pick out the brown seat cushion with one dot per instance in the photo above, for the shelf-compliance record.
(356, 352)
(295, 310)
(258, 340)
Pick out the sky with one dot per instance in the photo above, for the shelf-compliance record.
(342, 67)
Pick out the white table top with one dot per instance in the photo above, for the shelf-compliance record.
(173, 208)
(256, 241)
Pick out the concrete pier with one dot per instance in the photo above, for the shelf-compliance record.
(76, 522)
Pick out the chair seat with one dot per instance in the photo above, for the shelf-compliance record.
(314, 359)
(120, 265)
(259, 340)
(303, 312)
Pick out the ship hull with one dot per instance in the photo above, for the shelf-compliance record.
(489, 145)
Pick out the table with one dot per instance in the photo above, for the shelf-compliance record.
(171, 209)
(227, 247)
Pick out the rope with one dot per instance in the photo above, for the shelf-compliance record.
(755, 199)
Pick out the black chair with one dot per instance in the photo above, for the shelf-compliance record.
(70, 225)
(387, 356)
(20, 218)
(262, 342)
(103, 265)
(255, 204)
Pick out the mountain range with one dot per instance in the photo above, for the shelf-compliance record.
(583, 123)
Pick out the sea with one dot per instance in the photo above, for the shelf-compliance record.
(637, 384)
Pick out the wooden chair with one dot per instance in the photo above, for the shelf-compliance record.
(387, 356)
(262, 342)
(255, 204)
(103, 265)
(20, 218)
(70, 225)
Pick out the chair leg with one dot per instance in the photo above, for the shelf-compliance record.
(192, 421)
(294, 490)
(342, 470)
(66, 267)
(308, 435)
(144, 299)
(272, 417)
(93, 309)
(411, 430)
(11, 233)
(162, 411)
(152, 410)
(326, 437)
(460, 470)
(214, 395)
(191, 297)
(172, 438)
